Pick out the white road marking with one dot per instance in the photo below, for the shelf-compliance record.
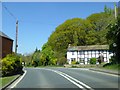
(14, 84)
(71, 79)
(78, 81)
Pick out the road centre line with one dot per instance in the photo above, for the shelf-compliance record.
(71, 79)
(77, 81)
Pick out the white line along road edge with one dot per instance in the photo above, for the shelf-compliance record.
(76, 82)
(19, 79)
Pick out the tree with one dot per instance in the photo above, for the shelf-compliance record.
(47, 57)
(36, 58)
(113, 37)
(72, 31)
(105, 9)
(99, 23)
(108, 10)
(75, 38)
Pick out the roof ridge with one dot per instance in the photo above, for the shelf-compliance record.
(4, 35)
(89, 47)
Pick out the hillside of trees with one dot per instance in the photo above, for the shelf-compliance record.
(94, 30)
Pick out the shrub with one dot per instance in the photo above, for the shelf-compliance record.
(93, 61)
(77, 62)
(11, 65)
(74, 66)
(108, 64)
(73, 62)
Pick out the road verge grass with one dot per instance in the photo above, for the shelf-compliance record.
(43, 66)
(5, 80)
(115, 67)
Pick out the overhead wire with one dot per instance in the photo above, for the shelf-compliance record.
(10, 13)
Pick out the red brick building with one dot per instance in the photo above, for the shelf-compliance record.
(6, 45)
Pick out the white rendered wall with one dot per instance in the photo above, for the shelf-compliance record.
(86, 55)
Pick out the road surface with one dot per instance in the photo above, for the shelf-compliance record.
(66, 78)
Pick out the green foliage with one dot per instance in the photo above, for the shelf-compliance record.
(77, 62)
(7, 80)
(112, 60)
(61, 61)
(113, 37)
(27, 59)
(11, 64)
(73, 31)
(112, 66)
(108, 10)
(73, 62)
(93, 61)
(36, 58)
(47, 56)
(99, 23)
(78, 32)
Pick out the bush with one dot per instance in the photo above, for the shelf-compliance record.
(108, 64)
(77, 62)
(112, 66)
(11, 65)
(73, 62)
(93, 61)
(74, 66)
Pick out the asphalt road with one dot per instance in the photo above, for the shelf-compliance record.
(66, 78)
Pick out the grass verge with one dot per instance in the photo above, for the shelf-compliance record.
(112, 67)
(5, 80)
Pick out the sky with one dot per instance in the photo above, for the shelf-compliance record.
(37, 20)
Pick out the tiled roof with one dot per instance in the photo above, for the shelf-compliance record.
(4, 35)
(90, 47)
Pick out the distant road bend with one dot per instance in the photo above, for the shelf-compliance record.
(66, 78)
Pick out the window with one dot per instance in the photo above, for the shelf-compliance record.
(81, 52)
(93, 52)
(82, 60)
(85, 52)
(72, 53)
(88, 60)
(97, 52)
(73, 59)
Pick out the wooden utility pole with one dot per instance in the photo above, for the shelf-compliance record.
(16, 45)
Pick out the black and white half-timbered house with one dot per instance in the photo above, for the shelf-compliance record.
(83, 54)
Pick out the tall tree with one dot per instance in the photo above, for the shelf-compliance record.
(100, 21)
(113, 36)
(75, 38)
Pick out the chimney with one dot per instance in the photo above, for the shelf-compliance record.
(69, 45)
